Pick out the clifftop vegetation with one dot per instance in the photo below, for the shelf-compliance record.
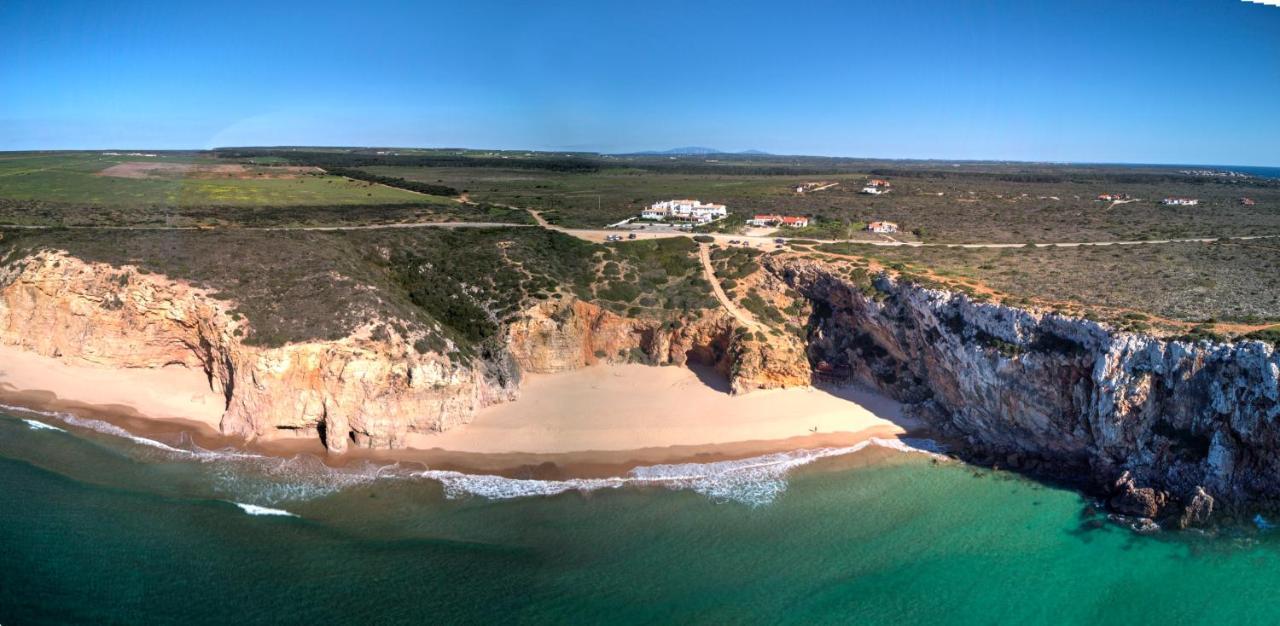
(459, 285)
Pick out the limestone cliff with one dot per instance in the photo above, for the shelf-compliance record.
(360, 389)
(1166, 428)
(369, 388)
(555, 337)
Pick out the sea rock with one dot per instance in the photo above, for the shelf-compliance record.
(1129, 499)
(1198, 510)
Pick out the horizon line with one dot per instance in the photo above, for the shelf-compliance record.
(657, 152)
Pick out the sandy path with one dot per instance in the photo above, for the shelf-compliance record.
(628, 407)
(742, 316)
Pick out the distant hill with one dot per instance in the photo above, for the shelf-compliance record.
(696, 151)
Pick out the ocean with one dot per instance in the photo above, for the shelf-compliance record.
(98, 527)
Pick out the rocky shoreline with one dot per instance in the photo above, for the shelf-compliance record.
(1170, 431)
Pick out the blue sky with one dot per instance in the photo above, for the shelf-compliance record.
(1185, 81)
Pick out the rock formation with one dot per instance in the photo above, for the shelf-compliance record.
(554, 337)
(370, 388)
(1165, 428)
(1162, 429)
(358, 389)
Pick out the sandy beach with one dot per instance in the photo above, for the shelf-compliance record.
(174, 392)
(593, 422)
(628, 407)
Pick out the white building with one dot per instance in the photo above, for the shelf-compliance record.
(684, 211)
(1180, 202)
(875, 191)
(882, 227)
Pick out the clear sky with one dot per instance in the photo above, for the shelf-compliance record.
(1170, 81)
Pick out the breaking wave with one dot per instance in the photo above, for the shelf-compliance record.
(238, 474)
(90, 424)
(38, 425)
(270, 480)
(755, 481)
(253, 509)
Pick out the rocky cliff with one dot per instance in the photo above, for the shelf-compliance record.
(555, 337)
(1166, 429)
(359, 389)
(369, 388)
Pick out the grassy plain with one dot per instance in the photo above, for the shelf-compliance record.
(76, 178)
(193, 189)
(1005, 204)
(962, 202)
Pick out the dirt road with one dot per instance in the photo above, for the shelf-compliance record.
(704, 253)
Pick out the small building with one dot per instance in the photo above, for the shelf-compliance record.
(876, 187)
(779, 220)
(1180, 201)
(684, 210)
(765, 220)
(1247, 202)
(882, 227)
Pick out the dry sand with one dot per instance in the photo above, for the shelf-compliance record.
(629, 407)
(593, 422)
(169, 392)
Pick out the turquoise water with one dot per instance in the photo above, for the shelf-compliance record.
(97, 528)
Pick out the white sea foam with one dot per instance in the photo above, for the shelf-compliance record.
(96, 425)
(111, 429)
(754, 481)
(240, 474)
(38, 425)
(302, 477)
(253, 509)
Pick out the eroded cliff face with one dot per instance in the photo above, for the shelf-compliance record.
(367, 389)
(360, 390)
(556, 337)
(1167, 429)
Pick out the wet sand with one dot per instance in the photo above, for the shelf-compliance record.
(590, 423)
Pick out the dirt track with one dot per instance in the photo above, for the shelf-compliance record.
(704, 253)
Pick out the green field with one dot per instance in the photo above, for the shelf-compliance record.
(189, 189)
(76, 179)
